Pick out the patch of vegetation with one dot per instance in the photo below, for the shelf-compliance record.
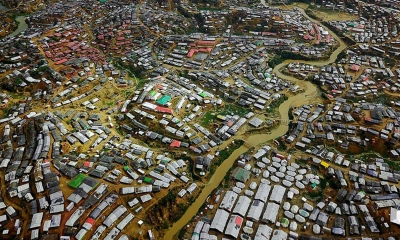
(276, 60)
(181, 233)
(322, 183)
(290, 113)
(207, 118)
(341, 55)
(368, 156)
(165, 224)
(291, 150)
(280, 56)
(311, 14)
(184, 12)
(134, 72)
(230, 108)
(333, 183)
(276, 103)
(5, 111)
(141, 83)
(282, 146)
(166, 210)
(41, 69)
(383, 99)
(320, 87)
(233, 109)
(227, 177)
(390, 62)
(395, 165)
(18, 81)
(316, 196)
(224, 154)
(191, 167)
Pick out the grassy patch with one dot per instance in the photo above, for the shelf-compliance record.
(316, 196)
(208, 118)
(322, 183)
(224, 154)
(191, 168)
(276, 60)
(272, 107)
(133, 72)
(225, 182)
(334, 184)
(233, 109)
(383, 99)
(394, 165)
(141, 83)
(282, 146)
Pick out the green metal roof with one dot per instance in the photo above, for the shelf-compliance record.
(164, 99)
(258, 42)
(241, 174)
(164, 161)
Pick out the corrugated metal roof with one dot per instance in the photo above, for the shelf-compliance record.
(220, 219)
(36, 220)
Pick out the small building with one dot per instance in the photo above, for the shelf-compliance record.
(271, 212)
(241, 174)
(234, 226)
(255, 210)
(219, 221)
(242, 206)
(228, 201)
(263, 232)
(277, 194)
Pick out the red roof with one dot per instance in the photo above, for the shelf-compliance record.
(90, 220)
(238, 220)
(191, 52)
(164, 110)
(48, 54)
(355, 67)
(61, 61)
(175, 143)
(268, 33)
(205, 43)
(327, 38)
(206, 50)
